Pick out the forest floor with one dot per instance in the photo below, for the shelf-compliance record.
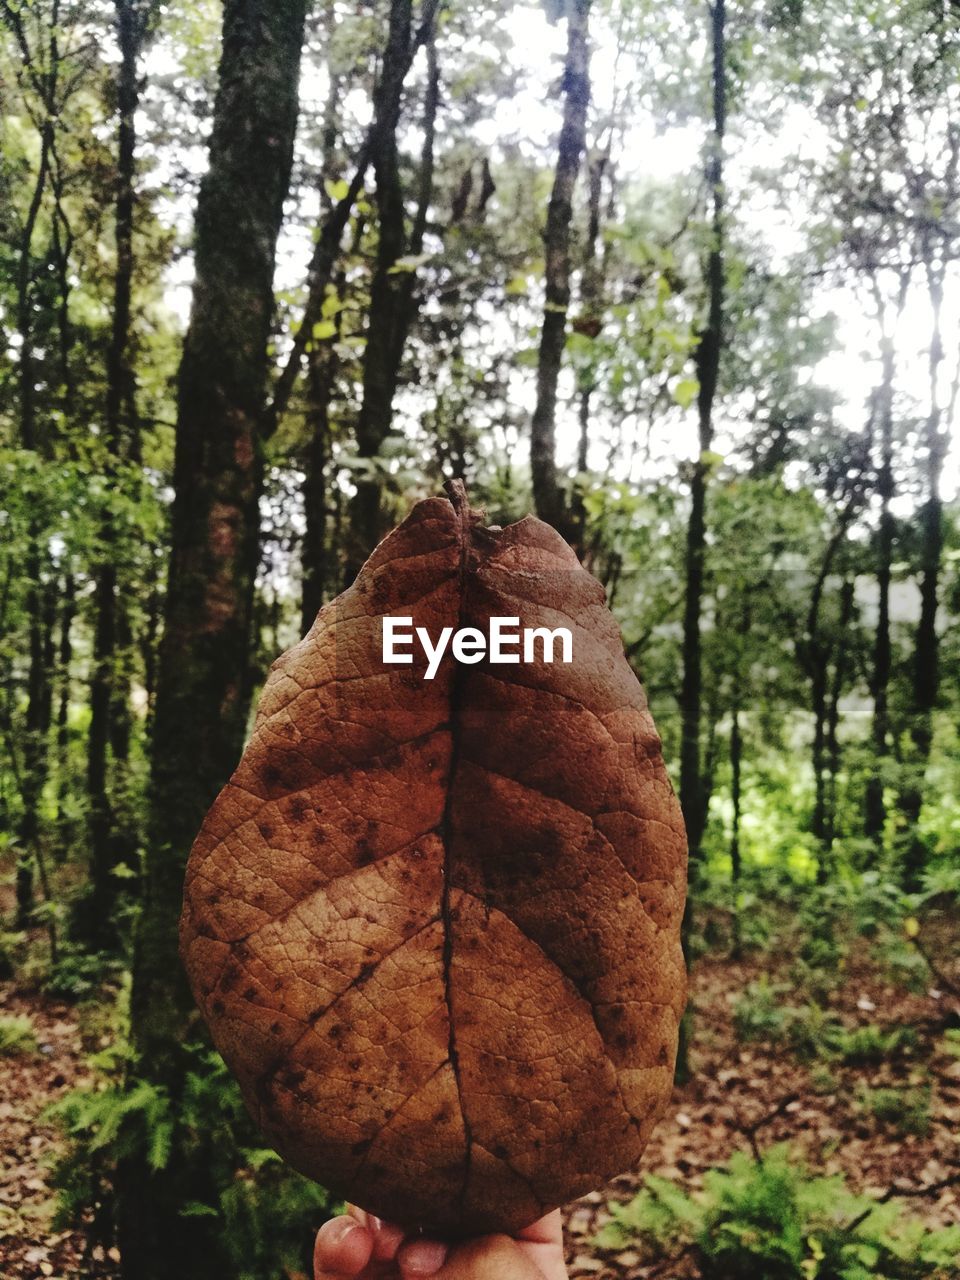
(751, 1096)
(744, 1095)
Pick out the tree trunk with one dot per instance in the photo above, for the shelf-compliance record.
(320, 381)
(736, 765)
(321, 376)
(926, 675)
(392, 291)
(65, 826)
(203, 691)
(548, 495)
(813, 655)
(35, 747)
(42, 614)
(693, 796)
(149, 643)
(589, 324)
(109, 702)
(707, 362)
(327, 248)
(818, 821)
(874, 804)
(62, 238)
(837, 682)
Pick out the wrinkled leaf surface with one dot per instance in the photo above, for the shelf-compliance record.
(434, 925)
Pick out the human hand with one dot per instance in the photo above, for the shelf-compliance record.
(357, 1246)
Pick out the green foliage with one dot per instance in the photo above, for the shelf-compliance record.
(773, 1219)
(904, 1110)
(270, 1215)
(77, 974)
(903, 963)
(878, 903)
(266, 1211)
(822, 1080)
(12, 946)
(759, 1012)
(118, 1121)
(812, 1032)
(942, 880)
(17, 1036)
(870, 1044)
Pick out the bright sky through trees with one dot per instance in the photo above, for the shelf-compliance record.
(657, 155)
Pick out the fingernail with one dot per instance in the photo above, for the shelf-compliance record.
(424, 1257)
(341, 1227)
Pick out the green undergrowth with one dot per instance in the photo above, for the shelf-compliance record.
(817, 925)
(902, 1110)
(761, 1013)
(17, 1036)
(772, 1219)
(264, 1214)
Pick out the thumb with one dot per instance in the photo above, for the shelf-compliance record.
(489, 1258)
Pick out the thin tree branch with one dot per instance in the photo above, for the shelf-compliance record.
(328, 243)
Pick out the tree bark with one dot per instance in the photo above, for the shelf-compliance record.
(818, 699)
(327, 248)
(41, 611)
(707, 362)
(874, 803)
(813, 654)
(392, 306)
(548, 496)
(44, 77)
(320, 383)
(694, 797)
(149, 641)
(62, 244)
(65, 826)
(203, 690)
(838, 679)
(589, 324)
(322, 366)
(926, 654)
(109, 704)
(736, 799)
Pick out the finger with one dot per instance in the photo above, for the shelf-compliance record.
(548, 1230)
(542, 1243)
(343, 1247)
(548, 1259)
(387, 1238)
(420, 1257)
(491, 1258)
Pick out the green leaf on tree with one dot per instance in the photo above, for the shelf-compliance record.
(685, 391)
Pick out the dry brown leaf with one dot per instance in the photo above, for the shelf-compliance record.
(434, 925)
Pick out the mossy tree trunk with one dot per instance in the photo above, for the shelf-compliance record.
(203, 692)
